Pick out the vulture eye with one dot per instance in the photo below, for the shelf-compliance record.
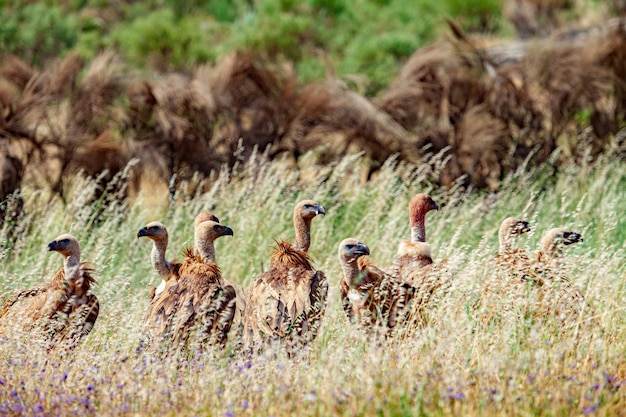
(65, 241)
(349, 247)
(152, 228)
(307, 206)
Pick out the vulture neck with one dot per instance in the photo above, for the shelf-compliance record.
(506, 243)
(418, 228)
(206, 249)
(159, 263)
(351, 271)
(551, 250)
(303, 232)
(71, 267)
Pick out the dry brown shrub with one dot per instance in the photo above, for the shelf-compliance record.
(329, 114)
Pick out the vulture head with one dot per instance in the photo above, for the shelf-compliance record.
(211, 230)
(510, 228)
(303, 214)
(351, 249)
(154, 231)
(554, 239)
(307, 209)
(66, 245)
(203, 217)
(205, 234)
(419, 205)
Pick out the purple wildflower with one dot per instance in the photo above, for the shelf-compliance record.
(229, 413)
(590, 409)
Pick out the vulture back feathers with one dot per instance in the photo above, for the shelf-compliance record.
(62, 311)
(288, 301)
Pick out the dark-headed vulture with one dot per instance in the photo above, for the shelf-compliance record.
(63, 309)
(199, 308)
(287, 302)
(372, 300)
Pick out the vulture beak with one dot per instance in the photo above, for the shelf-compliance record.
(52, 246)
(142, 232)
(319, 209)
(525, 227)
(361, 250)
(572, 237)
(228, 231)
(435, 205)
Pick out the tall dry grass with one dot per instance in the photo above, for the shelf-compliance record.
(514, 365)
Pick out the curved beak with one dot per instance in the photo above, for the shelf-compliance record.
(52, 246)
(361, 250)
(525, 227)
(573, 238)
(227, 231)
(319, 209)
(142, 232)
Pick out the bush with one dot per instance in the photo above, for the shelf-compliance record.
(164, 41)
(37, 32)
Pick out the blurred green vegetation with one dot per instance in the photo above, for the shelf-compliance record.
(368, 38)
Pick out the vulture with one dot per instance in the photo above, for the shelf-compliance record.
(414, 254)
(414, 266)
(287, 302)
(63, 310)
(510, 229)
(157, 232)
(199, 308)
(167, 270)
(512, 260)
(539, 284)
(241, 294)
(372, 299)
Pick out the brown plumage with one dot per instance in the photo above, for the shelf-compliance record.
(414, 266)
(242, 298)
(512, 260)
(199, 308)
(287, 302)
(373, 300)
(539, 285)
(63, 310)
(415, 254)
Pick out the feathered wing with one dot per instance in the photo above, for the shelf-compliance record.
(426, 283)
(63, 317)
(377, 299)
(197, 309)
(240, 304)
(287, 301)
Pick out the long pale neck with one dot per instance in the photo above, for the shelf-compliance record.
(159, 263)
(506, 243)
(303, 232)
(206, 249)
(418, 230)
(551, 249)
(351, 272)
(71, 267)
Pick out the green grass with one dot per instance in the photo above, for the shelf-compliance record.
(451, 367)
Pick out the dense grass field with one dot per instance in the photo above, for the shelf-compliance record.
(454, 366)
